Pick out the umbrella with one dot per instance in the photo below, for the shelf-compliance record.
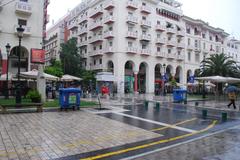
(69, 78)
(219, 79)
(232, 89)
(34, 73)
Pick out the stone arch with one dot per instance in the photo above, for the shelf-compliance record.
(179, 74)
(158, 83)
(129, 76)
(169, 72)
(189, 74)
(143, 77)
(110, 66)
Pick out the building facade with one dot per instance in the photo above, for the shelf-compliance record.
(233, 49)
(143, 41)
(25, 13)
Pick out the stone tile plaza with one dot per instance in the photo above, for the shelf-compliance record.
(116, 80)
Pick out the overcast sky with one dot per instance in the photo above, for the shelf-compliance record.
(224, 14)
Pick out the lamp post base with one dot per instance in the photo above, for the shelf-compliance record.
(18, 96)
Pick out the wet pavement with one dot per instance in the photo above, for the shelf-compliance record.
(126, 130)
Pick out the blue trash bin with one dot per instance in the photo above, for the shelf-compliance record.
(69, 98)
(179, 95)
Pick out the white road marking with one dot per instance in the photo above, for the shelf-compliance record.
(158, 123)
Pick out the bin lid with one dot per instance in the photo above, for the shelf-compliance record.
(179, 90)
(70, 90)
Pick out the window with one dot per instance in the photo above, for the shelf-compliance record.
(204, 45)
(158, 23)
(100, 47)
(100, 61)
(188, 30)
(197, 57)
(24, 0)
(169, 51)
(94, 62)
(189, 56)
(210, 38)
(204, 35)
(130, 28)
(110, 43)
(189, 41)
(130, 44)
(22, 22)
(94, 48)
(158, 35)
(158, 49)
(196, 43)
(144, 18)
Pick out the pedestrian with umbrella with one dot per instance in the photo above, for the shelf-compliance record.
(231, 91)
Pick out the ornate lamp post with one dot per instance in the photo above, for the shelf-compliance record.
(164, 76)
(20, 31)
(8, 47)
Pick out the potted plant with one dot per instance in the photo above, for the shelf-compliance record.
(34, 95)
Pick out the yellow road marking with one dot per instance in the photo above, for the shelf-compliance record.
(149, 144)
(173, 125)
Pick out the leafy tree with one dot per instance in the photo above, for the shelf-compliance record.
(219, 64)
(70, 58)
(55, 69)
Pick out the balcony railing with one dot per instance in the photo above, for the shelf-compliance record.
(146, 52)
(190, 47)
(24, 8)
(95, 39)
(171, 55)
(132, 50)
(96, 53)
(205, 50)
(180, 57)
(160, 54)
(96, 25)
(145, 37)
(160, 41)
(97, 67)
(180, 33)
(73, 25)
(146, 23)
(171, 43)
(108, 19)
(132, 4)
(27, 30)
(108, 50)
(160, 27)
(170, 30)
(82, 31)
(108, 34)
(132, 19)
(197, 49)
(131, 34)
(109, 5)
(83, 43)
(181, 45)
(96, 12)
(146, 9)
(82, 18)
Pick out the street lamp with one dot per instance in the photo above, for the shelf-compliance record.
(8, 47)
(203, 92)
(164, 76)
(20, 31)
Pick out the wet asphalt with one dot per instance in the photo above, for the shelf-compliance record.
(167, 113)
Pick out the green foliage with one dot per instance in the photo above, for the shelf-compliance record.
(219, 64)
(173, 82)
(87, 76)
(70, 58)
(34, 95)
(55, 69)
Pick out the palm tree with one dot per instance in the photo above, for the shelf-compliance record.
(221, 65)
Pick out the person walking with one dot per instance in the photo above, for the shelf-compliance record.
(232, 98)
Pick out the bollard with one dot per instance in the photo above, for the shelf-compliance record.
(204, 114)
(146, 104)
(157, 105)
(224, 117)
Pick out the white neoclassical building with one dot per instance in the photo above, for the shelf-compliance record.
(140, 41)
(32, 15)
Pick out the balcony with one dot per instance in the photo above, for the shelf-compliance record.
(190, 47)
(181, 45)
(205, 50)
(160, 41)
(82, 31)
(109, 5)
(27, 30)
(132, 4)
(96, 12)
(180, 33)
(96, 53)
(23, 8)
(108, 34)
(197, 49)
(145, 52)
(146, 9)
(132, 20)
(96, 26)
(73, 25)
(82, 18)
(109, 50)
(145, 37)
(170, 30)
(96, 39)
(170, 56)
(145, 23)
(131, 34)
(171, 43)
(160, 54)
(132, 50)
(160, 28)
(109, 20)
(180, 57)
(97, 67)
(83, 43)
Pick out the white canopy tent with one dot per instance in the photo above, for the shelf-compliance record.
(69, 78)
(34, 73)
(4, 77)
(219, 79)
(105, 77)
